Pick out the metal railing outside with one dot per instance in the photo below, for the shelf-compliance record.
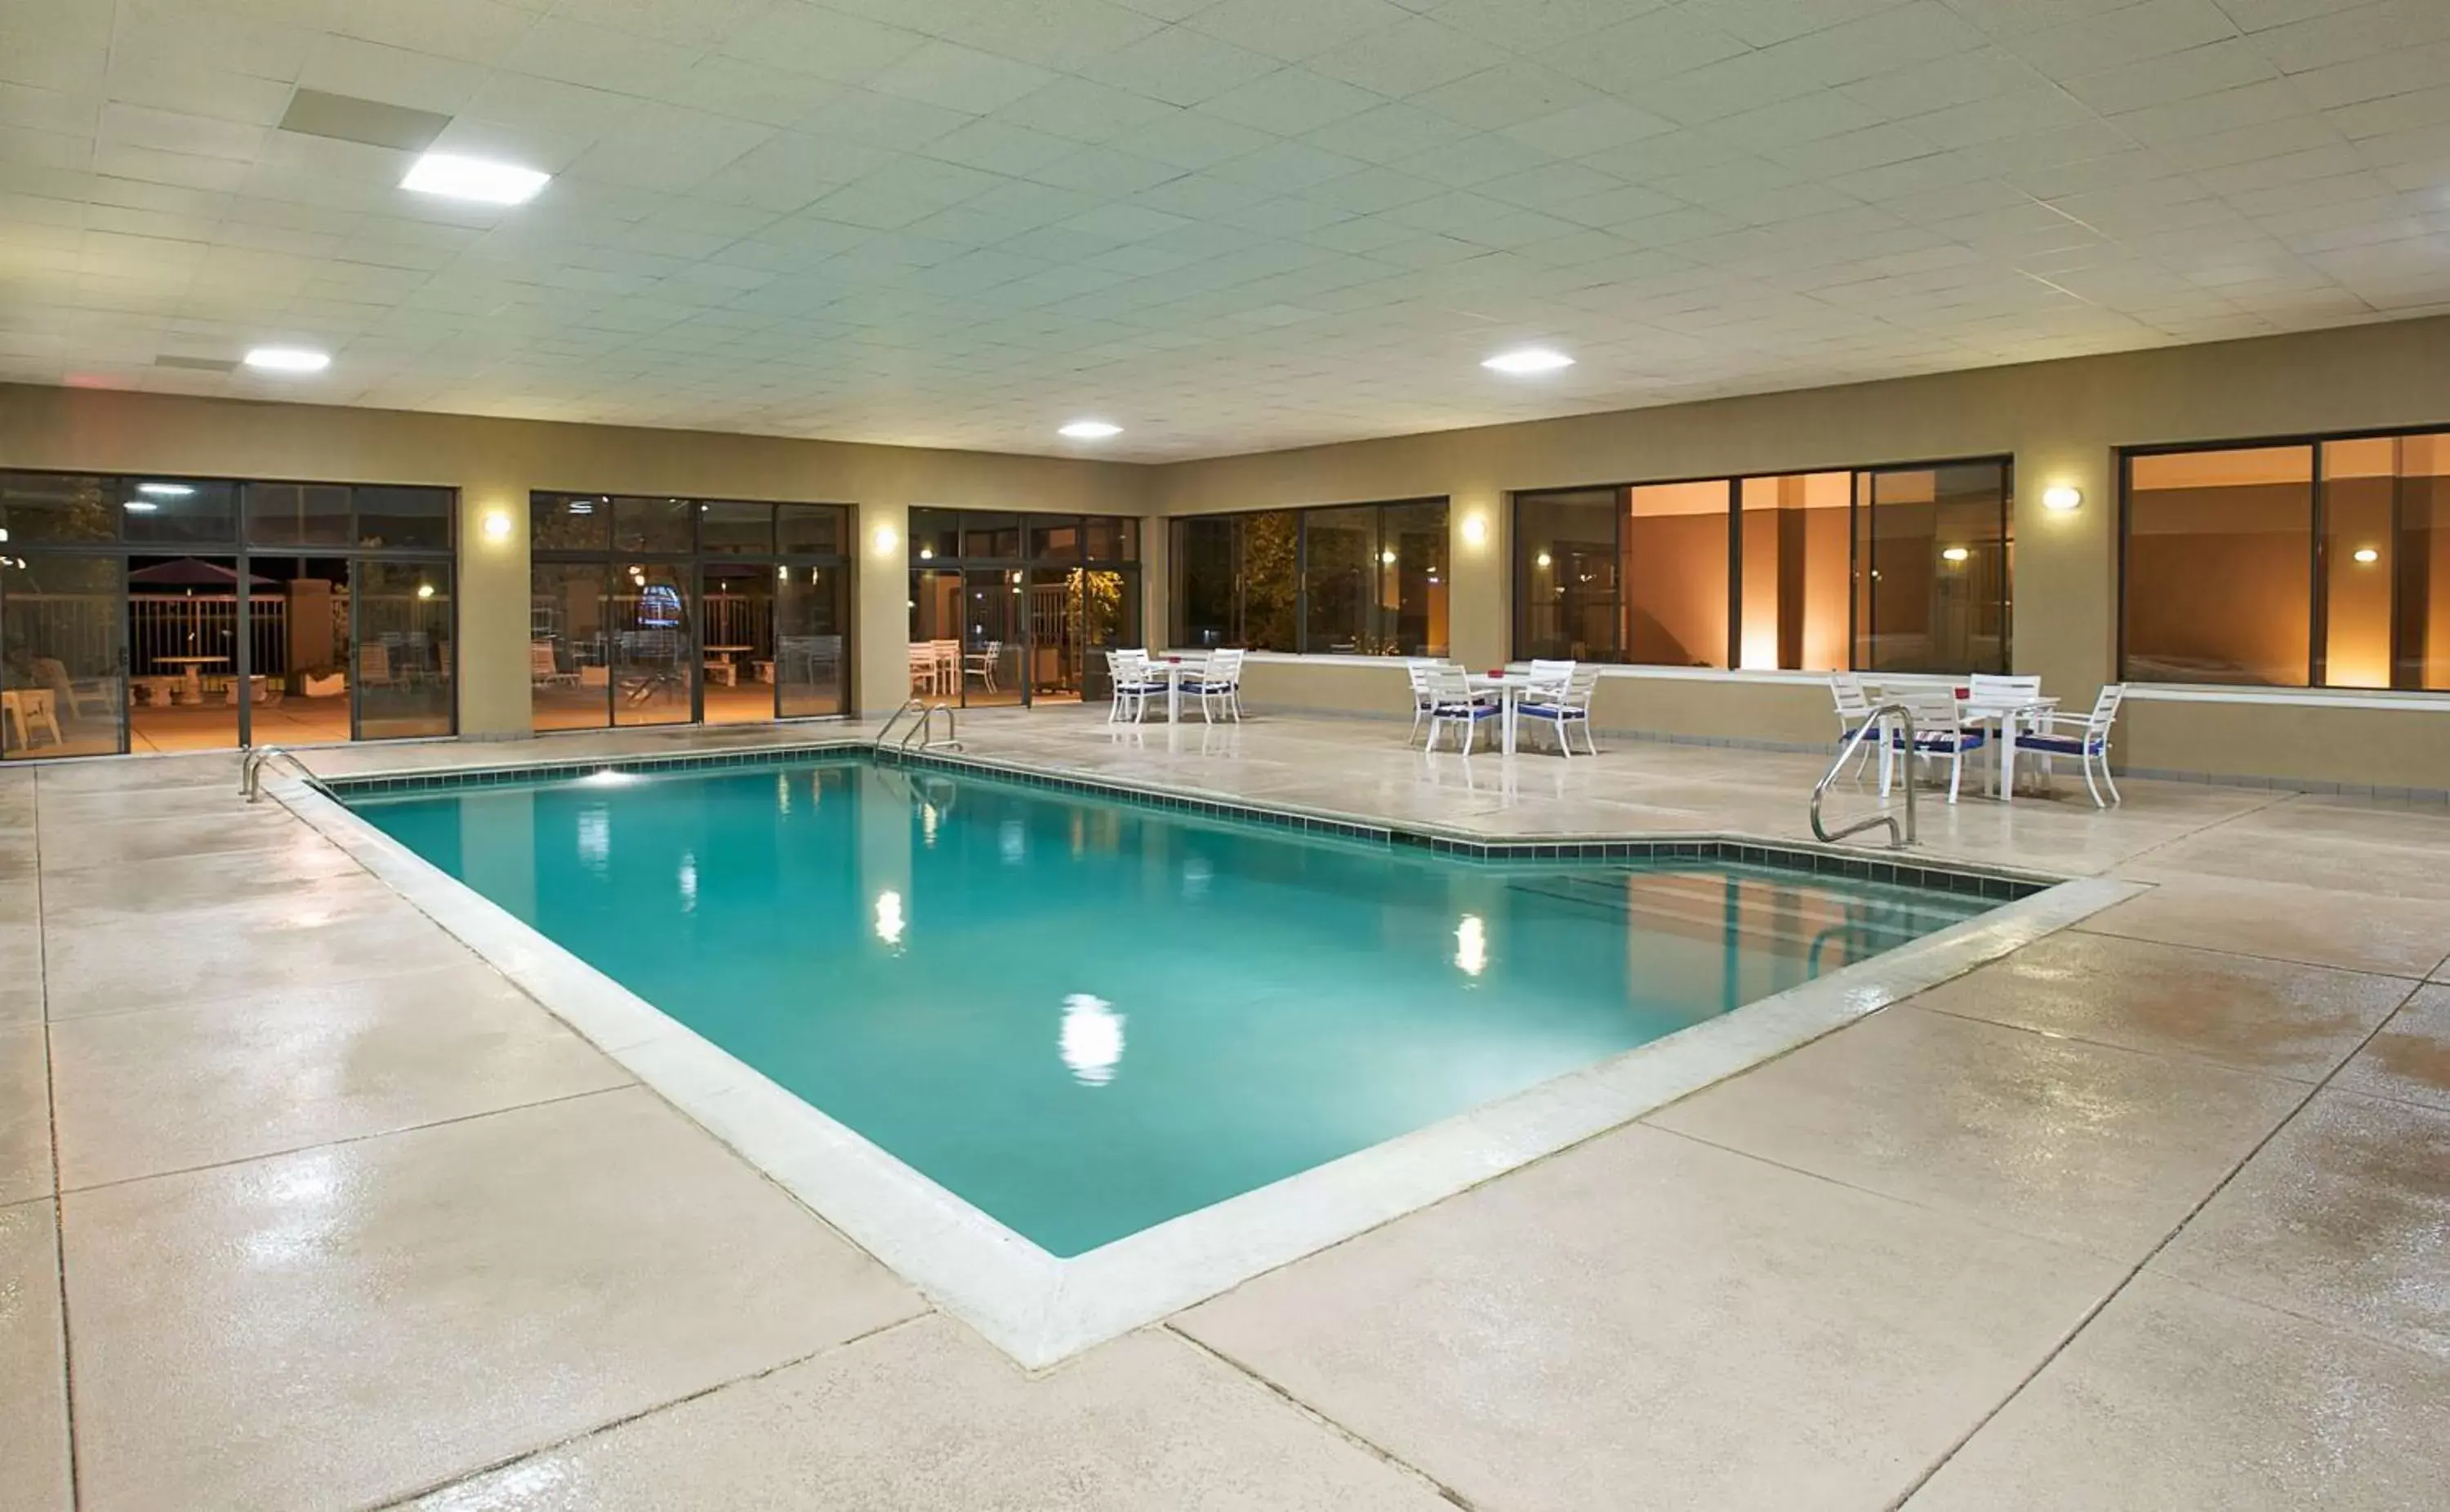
(1899, 837)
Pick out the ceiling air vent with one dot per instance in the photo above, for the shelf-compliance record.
(350, 119)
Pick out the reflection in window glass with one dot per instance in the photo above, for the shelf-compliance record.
(41, 506)
(2219, 559)
(2359, 498)
(2421, 558)
(61, 658)
(568, 654)
(403, 648)
(811, 612)
(666, 525)
(1676, 574)
(297, 514)
(1933, 545)
(1111, 538)
(1566, 607)
(819, 530)
(1340, 579)
(1794, 570)
(748, 528)
(1412, 587)
(737, 630)
(405, 518)
(155, 511)
(1207, 592)
(653, 645)
(570, 522)
(990, 537)
(935, 535)
(1054, 538)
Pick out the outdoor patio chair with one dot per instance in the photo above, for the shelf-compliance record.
(1217, 685)
(1567, 709)
(1417, 672)
(544, 668)
(1133, 683)
(2086, 737)
(1854, 708)
(1548, 681)
(1938, 730)
(1453, 701)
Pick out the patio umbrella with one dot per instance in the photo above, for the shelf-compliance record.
(188, 572)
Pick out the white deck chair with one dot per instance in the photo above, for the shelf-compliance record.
(1217, 685)
(1417, 672)
(1939, 731)
(1129, 671)
(1453, 701)
(1854, 708)
(2086, 737)
(1566, 709)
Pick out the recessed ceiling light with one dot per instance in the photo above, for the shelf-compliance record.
(1090, 430)
(1528, 359)
(139, 506)
(287, 359)
(475, 179)
(165, 490)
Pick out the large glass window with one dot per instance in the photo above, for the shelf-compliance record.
(1020, 607)
(2319, 563)
(1358, 578)
(238, 611)
(1901, 570)
(658, 611)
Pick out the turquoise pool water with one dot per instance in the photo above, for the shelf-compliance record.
(1086, 1017)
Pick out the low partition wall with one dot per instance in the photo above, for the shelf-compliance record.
(2389, 745)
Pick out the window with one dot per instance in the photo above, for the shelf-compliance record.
(2322, 563)
(660, 610)
(1367, 579)
(1009, 608)
(1897, 570)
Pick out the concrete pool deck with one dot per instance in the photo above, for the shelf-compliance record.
(313, 1209)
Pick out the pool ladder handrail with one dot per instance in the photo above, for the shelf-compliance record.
(1900, 838)
(250, 771)
(925, 724)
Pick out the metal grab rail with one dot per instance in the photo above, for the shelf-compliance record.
(895, 717)
(925, 725)
(250, 771)
(1898, 838)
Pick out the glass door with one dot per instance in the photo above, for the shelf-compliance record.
(811, 612)
(186, 652)
(400, 648)
(935, 634)
(994, 635)
(653, 646)
(1057, 633)
(735, 615)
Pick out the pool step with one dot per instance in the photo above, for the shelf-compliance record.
(1697, 906)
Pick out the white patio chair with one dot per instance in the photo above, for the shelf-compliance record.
(1939, 730)
(1217, 685)
(2086, 737)
(1134, 681)
(1854, 708)
(1417, 672)
(1566, 709)
(1453, 701)
(544, 667)
(982, 664)
(1549, 679)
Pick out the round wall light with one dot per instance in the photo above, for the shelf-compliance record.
(2062, 497)
(2368, 555)
(496, 525)
(1475, 529)
(1544, 559)
(1955, 554)
(885, 539)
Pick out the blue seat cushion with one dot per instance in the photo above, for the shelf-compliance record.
(1464, 710)
(2060, 745)
(1551, 711)
(1945, 745)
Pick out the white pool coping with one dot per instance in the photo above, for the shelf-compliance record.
(1040, 1308)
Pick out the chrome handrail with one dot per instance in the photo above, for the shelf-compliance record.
(926, 723)
(250, 771)
(1899, 837)
(895, 718)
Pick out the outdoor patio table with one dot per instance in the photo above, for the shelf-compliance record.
(1509, 687)
(2006, 716)
(193, 667)
(1172, 669)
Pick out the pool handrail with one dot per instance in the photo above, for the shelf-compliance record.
(1876, 723)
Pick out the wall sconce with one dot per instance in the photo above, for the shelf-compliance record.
(2062, 497)
(2368, 555)
(887, 538)
(1955, 554)
(1475, 530)
(496, 525)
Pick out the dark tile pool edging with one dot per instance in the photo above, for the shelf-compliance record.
(1966, 879)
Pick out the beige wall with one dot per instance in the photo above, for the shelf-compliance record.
(495, 464)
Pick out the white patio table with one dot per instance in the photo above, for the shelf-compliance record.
(1509, 686)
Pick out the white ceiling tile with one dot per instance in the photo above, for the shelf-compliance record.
(1412, 55)
(1292, 102)
(595, 57)
(957, 78)
(1180, 66)
(2089, 42)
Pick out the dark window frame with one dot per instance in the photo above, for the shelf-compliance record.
(1519, 572)
(1177, 525)
(691, 565)
(2318, 585)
